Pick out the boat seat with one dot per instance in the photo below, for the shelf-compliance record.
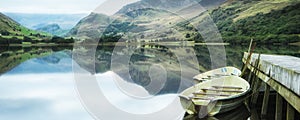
(210, 94)
(227, 87)
(220, 90)
(203, 98)
(220, 74)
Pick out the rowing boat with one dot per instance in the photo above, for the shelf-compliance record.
(215, 96)
(216, 73)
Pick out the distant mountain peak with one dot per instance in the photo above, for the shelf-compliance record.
(144, 15)
(48, 27)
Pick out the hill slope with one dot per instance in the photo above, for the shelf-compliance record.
(90, 26)
(30, 20)
(9, 29)
(146, 18)
(267, 21)
(53, 29)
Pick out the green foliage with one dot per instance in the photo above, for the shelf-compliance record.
(27, 39)
(12, 31)
(276, 26)
(280, 26)
(57, 39)
(110, 38)
(118, 27)
(187, 35)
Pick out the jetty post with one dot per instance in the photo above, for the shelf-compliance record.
(277, 72)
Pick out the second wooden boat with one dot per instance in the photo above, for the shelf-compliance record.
(216, 73)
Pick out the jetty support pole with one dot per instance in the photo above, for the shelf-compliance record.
(290, 112)
(264, 108)
(278, 113)
(256, 82)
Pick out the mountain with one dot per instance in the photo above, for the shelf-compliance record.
(170, 5)
(30, 20)
(145, 19)
(16, 56)
(53, 29)
(266, 21)
(11, 29)
(90, 26)
(45, 22)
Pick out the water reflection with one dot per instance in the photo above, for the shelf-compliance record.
(47, 90)
(240, 113)
(11, 57)
(132, 105)
(41, 88)
(37, 82)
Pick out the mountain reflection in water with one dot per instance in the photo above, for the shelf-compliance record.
(39, 81)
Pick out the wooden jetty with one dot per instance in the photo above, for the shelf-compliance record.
(277, 72)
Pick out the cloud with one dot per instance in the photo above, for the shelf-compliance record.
(52, 95)
(58, 62)
(49, 6)
(107, 83)
(110, 7)
(40, 97)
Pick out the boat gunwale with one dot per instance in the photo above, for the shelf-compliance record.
(227, 98)
(212, 71)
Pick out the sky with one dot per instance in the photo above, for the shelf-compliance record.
(62, 6)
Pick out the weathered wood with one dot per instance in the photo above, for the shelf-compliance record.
(220, 90)
(283, 69)
(256, 83)
(264, 108)
(227, 87)
(278, 113)
(287, 93)
(202, 98)
(254, 115)
(249, 77)
(248, 58)
(210, 94)
(290, 112)
(255, 92)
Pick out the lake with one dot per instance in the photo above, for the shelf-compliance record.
(58, 83)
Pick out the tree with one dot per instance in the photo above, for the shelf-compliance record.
(57, 39)
(187, 35)
(5, 32)
(142, 36)
(27, 39)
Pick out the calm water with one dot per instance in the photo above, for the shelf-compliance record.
(38, 82)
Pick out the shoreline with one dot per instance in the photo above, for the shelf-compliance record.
(188, 43)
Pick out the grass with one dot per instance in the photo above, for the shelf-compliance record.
(262, 7)
(26, 43)
(16, 30)
(10, 36)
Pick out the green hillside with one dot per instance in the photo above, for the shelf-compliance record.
(53, 29)
(266, 21)
(146, 20)
(9, 29)
(90, 26)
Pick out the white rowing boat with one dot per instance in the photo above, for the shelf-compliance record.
(215, 96)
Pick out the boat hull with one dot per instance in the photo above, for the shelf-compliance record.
(217, 73)
(217, 105)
